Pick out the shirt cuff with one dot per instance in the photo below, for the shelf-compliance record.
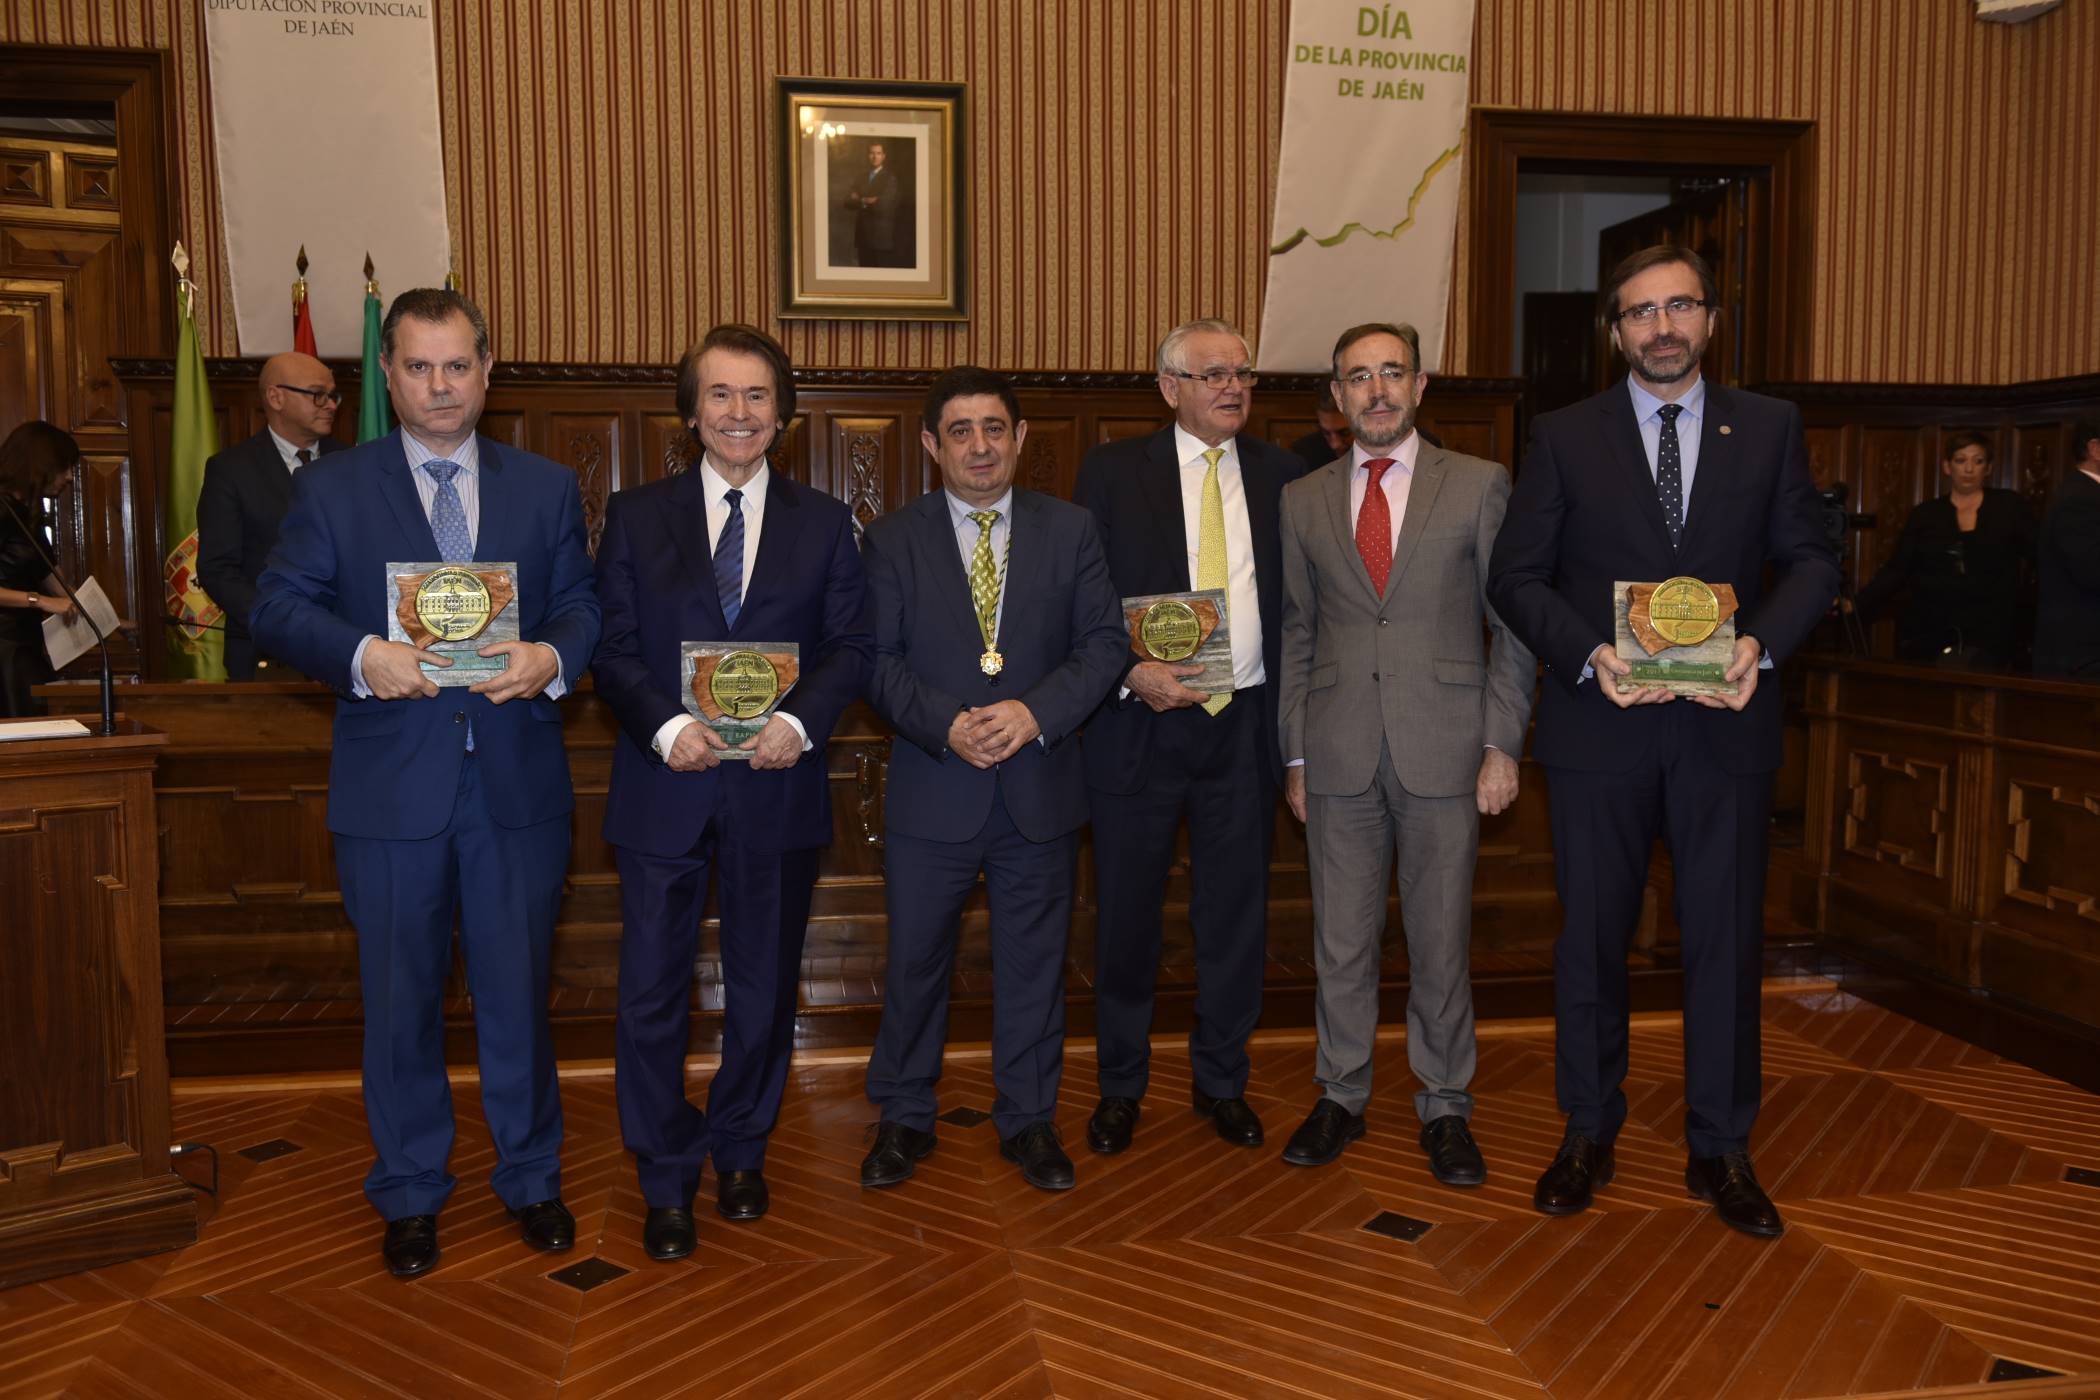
(559, 686)
(802, 733)
(1295, 763)
(358, 687)
(667, 734)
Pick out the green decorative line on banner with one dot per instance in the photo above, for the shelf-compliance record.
(1421, 188)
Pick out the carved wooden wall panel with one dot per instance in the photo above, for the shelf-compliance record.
(1959, 827)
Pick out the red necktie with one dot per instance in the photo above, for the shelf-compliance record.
(1374, 527)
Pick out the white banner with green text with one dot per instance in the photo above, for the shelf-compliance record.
(1374, 113)
(326, 119)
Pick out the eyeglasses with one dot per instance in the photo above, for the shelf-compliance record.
(1680, 309)
(1220, 377)
(334, 396)
(1391, 374)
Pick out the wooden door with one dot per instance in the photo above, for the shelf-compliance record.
(59, 274)
(1719, 224)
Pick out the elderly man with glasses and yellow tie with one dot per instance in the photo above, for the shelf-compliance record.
(248, 486)
(1191, 507)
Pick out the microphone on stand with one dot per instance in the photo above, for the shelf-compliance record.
(109, 689)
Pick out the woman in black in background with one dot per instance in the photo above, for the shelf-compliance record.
(36, 461)
(1958, 561)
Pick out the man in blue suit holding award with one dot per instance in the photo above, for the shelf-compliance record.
(997, 631)
(731, 551)
(446, 801)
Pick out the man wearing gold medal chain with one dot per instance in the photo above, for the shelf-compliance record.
(997, 631)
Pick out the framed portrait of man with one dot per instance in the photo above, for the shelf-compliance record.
(872, 220)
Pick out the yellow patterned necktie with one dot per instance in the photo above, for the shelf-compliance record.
(1210, 549)
(984, 577)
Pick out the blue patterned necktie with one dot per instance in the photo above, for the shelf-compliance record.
(1669, 470)
(448, 517)
(729, 559)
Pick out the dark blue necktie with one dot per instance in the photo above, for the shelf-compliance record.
(1669, 471)
(729, 559)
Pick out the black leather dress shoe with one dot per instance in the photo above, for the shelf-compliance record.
(411, 1246)
(1235, 1121)
(546, 1225)
(1043, 1162)
(897, 1152)
(1454, 1158)
(668, 1233)
(1566, 1186)
(1731, 1185)
(1108, 1131)
(1321, 1137)
(740, 1195)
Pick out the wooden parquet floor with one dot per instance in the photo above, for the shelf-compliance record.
(1945, 1240)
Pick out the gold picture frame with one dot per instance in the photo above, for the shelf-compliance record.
(873, 222)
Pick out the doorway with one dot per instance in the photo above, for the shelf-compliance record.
(1556, 198)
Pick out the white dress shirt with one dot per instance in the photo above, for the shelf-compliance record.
(467, 481)
(1395, 483)
(288, 451)
(752, 506)
(1242, 596)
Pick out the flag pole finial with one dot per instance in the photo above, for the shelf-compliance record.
(181, 259)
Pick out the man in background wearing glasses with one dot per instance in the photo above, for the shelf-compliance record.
(1662, 476)
(246, 490)
(1192, 506)
(1401, 728)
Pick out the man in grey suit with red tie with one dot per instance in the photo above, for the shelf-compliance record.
(1401, 727)
(729, 551)
(997, 631)
(1663, 476)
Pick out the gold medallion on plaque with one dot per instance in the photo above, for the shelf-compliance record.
(1684, 611)
(1170, 630)
(744, 684)
(453, 605)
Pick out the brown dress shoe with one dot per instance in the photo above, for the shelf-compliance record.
(1566, 1186)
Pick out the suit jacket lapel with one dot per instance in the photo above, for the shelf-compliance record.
(1336, 486)
(1716, 456)
(1024, 555)
(937, 538)
(400, 495)
(776, 539)
(1624, 435)
(1161, 477)
(494, 536)
(1261, 488)
(686, 523)
(1421, 497)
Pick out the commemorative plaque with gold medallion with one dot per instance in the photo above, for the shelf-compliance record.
(1184, 629)
(734, 687)
(454, 610)
(1678, 635)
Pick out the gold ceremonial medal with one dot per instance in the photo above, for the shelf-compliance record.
(453, 605)
(991, 663)
(744, 684)
(1684, 611)
(1171, 630)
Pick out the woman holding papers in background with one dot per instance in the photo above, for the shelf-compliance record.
(36, 462)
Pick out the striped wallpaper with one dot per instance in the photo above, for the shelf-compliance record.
(610, 166)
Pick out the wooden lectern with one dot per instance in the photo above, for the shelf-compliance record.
(84, 1174)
